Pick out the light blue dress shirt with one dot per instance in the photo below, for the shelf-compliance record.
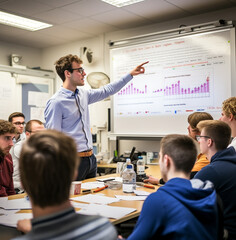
(68, 112)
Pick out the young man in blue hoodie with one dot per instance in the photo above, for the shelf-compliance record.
(214, 140)
(183, 208)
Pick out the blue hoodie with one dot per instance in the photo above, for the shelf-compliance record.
(182, 209)
(222, 173)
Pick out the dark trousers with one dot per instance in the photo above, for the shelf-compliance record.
(87, 168)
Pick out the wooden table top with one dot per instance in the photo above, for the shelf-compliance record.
(153, 170)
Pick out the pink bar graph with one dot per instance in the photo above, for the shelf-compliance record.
(132, 90)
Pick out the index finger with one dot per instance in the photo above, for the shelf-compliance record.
(143, 64)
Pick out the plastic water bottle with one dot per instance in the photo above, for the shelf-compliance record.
(128, 162)
(129, 179)
(140, 169)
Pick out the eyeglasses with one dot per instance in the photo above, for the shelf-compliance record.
(198, 137)
(80, 70)
(19, 123)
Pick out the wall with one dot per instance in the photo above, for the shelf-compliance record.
(31, 57)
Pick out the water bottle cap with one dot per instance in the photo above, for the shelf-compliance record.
(140, 157)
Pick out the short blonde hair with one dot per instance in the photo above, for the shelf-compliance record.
(229, 107)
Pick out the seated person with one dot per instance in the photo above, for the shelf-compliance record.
(228, 116)
(182, 208)
(214, 140)
(31, 127)
(48, 165)
(201, 161)
(18, 120)
(7, 133)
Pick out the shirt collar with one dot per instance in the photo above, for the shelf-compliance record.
(69, 92)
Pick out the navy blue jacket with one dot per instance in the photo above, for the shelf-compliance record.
(181, 209)
(222, 173)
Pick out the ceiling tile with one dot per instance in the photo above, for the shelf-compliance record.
(121, 18)
(65, 33)
(57, 3)
(11, 31)
(88, 25)
(89, 7)
(156, 9)
(57, 16)
(200, 6)
(25, 7)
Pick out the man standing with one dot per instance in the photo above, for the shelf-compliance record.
(228, 116)
(67, 110)
(7, 133)
(48, 165)
(31, 127)
(182, 208)
(214, 140)
(18, 120)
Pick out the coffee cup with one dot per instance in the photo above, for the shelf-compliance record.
(75, 188)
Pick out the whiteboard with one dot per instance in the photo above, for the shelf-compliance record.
(8, 89)
(184, 75)
(24, 93)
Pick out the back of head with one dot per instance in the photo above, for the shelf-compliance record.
(15, 114)
(28, 126)
(218, 131)
(65, 63)
(181, 149)
(229, 107)
(6, 127)
(196, 117)
(47, 164)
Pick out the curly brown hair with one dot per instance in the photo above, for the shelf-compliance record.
(6, 127)
(65, 63)
(229, 107)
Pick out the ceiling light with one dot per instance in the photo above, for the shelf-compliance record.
(121, 3)
(21, 22)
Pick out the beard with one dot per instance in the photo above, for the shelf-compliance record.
(2, 155)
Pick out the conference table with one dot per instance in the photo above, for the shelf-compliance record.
(152, 170)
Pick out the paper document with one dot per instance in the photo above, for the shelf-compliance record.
(106, 211)
(141, 193)
(105, 179)
(78, 205)
(12, 219)
(21, 203)
(3, 201)
(92, 185)
(7, 212)
(131, 198)
(95, 198)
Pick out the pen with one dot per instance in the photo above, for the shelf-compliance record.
(86, 191)
(100, 189)
(148, 186)
(145, 185)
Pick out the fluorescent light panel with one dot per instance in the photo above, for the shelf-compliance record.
(121, 3)
(22, 22)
